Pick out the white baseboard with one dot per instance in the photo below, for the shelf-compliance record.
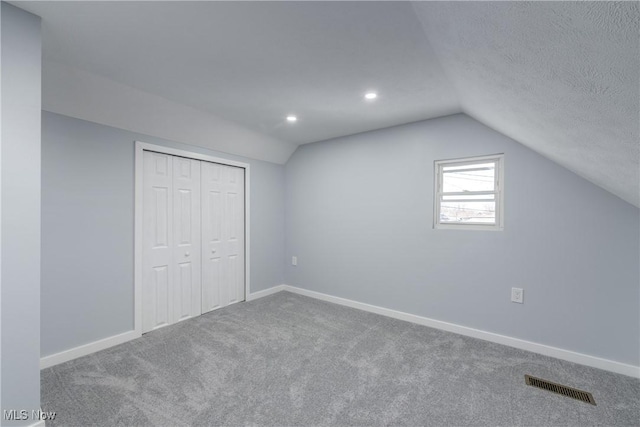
(83, 350)
(260, 294)
(558, 353)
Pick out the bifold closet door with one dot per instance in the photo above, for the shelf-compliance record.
(187, 292)
(171, 257)
(223, 216)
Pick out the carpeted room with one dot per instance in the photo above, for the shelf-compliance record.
(287, 359)
(365, 290)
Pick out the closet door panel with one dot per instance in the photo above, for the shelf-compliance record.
(223, 235)
(234, 233)
(212, 240)
(157, 237)
(187, 233)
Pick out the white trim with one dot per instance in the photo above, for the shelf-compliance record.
(40, 423)
(137, 244)
(189, 154)
(266, 292)
(139, 148)
(558, 353)
(86, 349)
(247, 226)
(83, 350)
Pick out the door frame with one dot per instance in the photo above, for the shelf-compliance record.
(140, 147)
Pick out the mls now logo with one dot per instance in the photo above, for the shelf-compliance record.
(23, 414)
(43, 415)
(14, 414)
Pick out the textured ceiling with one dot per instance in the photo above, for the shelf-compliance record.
(560, 77)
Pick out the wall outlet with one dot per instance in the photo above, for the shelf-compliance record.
(294, 260)
(517, 295)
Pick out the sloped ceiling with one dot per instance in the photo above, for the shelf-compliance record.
(560, 77)
(255, 62)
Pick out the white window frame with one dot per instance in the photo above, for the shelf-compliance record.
(498, 193)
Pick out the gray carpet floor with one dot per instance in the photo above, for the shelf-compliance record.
(290, 360)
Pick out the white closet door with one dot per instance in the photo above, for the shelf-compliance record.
(233, 234)
(186, 244)
(171, 254)
(222, 235)
(212, 239)
(157, 275)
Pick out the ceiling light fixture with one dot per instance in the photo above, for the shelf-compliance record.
(370, 96)
(292, 119)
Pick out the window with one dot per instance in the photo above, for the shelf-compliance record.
(469, 193)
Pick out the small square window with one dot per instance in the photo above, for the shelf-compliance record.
(468, 193)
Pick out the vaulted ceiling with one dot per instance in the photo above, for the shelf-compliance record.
(559, 77)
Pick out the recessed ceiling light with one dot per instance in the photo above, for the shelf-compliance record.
(292, 119)
(370, 95)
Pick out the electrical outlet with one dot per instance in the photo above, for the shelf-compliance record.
(294, 260)
(517, 295)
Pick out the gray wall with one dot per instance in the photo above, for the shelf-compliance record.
(20, 224)
(87, 229)
(359, 217)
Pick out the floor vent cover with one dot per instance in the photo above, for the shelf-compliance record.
(571, 392)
